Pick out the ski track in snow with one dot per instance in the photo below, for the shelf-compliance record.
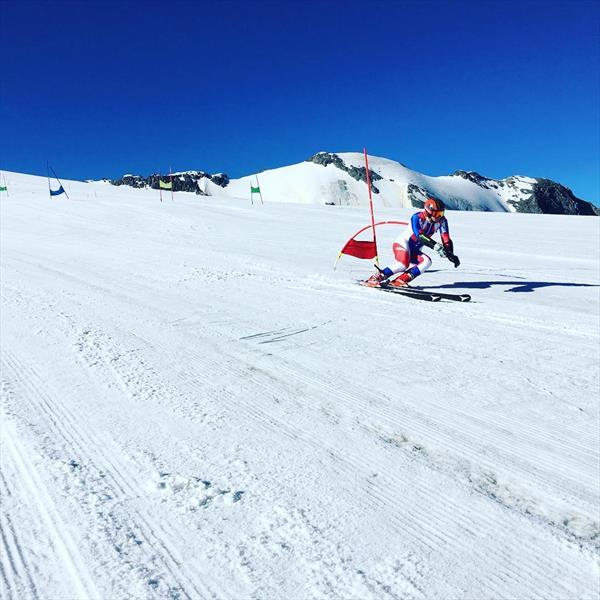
(194, 407)
(130, 535)
(51, 524)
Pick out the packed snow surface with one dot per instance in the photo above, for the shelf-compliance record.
(195, 405)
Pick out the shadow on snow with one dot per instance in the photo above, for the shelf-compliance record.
(519, 286)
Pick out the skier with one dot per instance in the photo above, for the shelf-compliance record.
(407, 247)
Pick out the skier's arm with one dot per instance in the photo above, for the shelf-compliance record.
(444, 250)
(416, 227)
(445, 235)
(418, 234)
(448, 246)
(426, 241)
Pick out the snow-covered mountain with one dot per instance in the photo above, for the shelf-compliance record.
(340, 179)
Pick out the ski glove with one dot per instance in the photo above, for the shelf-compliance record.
(440, 250)
(454, 259)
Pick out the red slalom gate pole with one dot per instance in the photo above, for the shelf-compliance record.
(371, 207)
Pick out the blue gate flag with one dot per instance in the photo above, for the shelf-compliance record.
(60, 190)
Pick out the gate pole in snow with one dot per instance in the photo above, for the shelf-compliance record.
(159, 188)
(59, 182)
(371, 207)
(171, 180)
(5, 187)
(255, 190)
(259, 190)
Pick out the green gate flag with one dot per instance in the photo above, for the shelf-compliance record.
(3, 189)
(254, 190)
(165, 186)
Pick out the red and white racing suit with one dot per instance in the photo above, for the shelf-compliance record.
(407, 246)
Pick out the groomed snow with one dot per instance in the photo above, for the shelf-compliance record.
(194, 405)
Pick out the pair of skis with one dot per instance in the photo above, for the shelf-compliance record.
(419, 294)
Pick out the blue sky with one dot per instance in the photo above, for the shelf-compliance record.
(106, 88)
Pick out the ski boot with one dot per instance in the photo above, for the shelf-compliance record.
(402, 280)
(378, 278)
(375, 280)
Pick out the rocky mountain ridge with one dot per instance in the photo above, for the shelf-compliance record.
(340, 181)
(188, 181)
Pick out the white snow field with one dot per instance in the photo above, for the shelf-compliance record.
(195, 405)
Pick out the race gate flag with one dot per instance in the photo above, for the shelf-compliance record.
(360, 249)
(58, 192)
(165, 185)
(255, 189)
(365, 249)
(61, 189)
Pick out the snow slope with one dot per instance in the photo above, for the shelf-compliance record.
(194, 405)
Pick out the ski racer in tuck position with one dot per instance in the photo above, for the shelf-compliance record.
(408, 245)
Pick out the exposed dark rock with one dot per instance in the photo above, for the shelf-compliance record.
(417, 195)
(475, 177)
(544, 197)
(136, 181)
(549, 197)
(358, 173)
(219, 179)
(182, 182)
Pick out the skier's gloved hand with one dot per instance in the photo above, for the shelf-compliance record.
(440, 250)
(454, 259)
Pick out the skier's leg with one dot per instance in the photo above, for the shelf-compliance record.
(419, 263)
(423, 262)
(402, 256)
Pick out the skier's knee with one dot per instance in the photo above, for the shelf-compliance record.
(424, 263)
(401, 255)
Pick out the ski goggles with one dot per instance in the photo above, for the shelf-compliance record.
(436, 215)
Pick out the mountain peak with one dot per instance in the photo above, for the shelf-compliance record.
(339, 179)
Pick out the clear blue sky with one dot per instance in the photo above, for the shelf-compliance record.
(106, 88)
